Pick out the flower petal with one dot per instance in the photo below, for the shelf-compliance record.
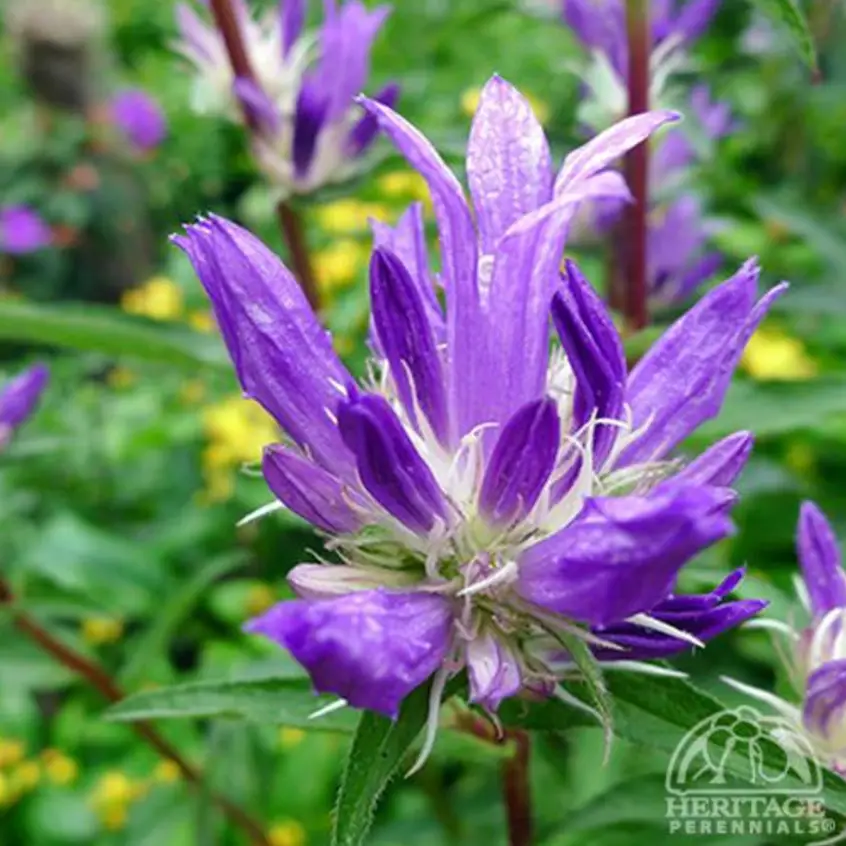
(407, 341)
(682, 381)
(389, 466)
(521, 463)
(291, 18)
(365, 129)
(371, 648)
(621, 555)
(324, 581)
(819, 557)
(308, 490)
(825, 695)
(282, 356)
(721, 463)
(312, 113)
(19, 396)
(493, 670)
(509, 167)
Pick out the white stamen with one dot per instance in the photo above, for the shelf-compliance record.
(644, 668)
(439, 681)
(647, 622)
(328, 709)
(260, 512)
(505, 573)
(773, 625)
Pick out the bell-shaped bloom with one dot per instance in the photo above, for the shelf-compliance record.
(22, 230)
(18, 399)
(817, 649)
(308, 132)
(139, 118)
(492, 489)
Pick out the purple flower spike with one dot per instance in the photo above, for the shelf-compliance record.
(721, 463)
(621, 555)
(682, 381)
(19, 397)
(389, 466)
(819, 557)
(140, 118)
(825, 701)
(366, 129)
(494, 671)
(292, 18)
(308, 490)
(312, 112)
(408, 341)
(370, 648)
(521, 463)
(283, 357)
(22, 230)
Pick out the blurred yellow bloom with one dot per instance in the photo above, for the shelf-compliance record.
(159, 298)
(120, 378)
(290, 737)
(287, 833)
(403, 184)
(773, 356)
(59, 768)
(349, 215)
(6, 793)
(337, 265)
(11, 752)
(166, 772)
(471, 96)
(99, 630)
(202, 321)
(25, 776)
(113, 817)
(114, 788)
(259, 598)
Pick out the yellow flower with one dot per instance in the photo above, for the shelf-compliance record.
(25, 776)
(99, 630)
(159, 298)
(290, 737)
(120, 378)
(287, 833)
(11, 752)
(773, 356)
(260, 597)
(202, 321)
(471, 96)
(337, 266)
(114, 788)
(59, 768)
(166, 772)
(348, 216)
(403, 184)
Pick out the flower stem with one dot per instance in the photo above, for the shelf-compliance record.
(100, 680)
(293, 231)
(516, 790)
(634, 268)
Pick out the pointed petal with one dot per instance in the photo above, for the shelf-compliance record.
(509, 167)
(457, 238)
(371, 648)
(407, 341)
(721, 463)
(389, 466)
(282, 356)
(595, 353)
(19, 396)
(493, 670)
(819, 557)
(694, 17)
(364, 131)
(682, 381)
(254, 101)
(311, 115)
(521, 463)
(621, 555)
(291, 20)
(308, 490)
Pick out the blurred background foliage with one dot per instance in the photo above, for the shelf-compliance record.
(120, 498)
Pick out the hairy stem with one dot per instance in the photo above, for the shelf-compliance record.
(516, 790)
(634, 266)
(100, 680)
(293, 231)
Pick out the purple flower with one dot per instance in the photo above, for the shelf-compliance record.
(18, 399)
(22, 230)
(139, 118)
(485, 494)
(310, 131)
(817, 651)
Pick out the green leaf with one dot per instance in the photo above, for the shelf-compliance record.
(108, 331)
(287, 702)
(788, 13)
(377, 750)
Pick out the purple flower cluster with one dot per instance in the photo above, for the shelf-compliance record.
(139, 118)
(18, 399)
(679, 258)
(22, 230)
(818, 650)
(301, 96)
(487, 494)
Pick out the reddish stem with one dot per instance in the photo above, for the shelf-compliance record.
(293, 232)
(516, 790)
(99, 679)
(634, 269)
